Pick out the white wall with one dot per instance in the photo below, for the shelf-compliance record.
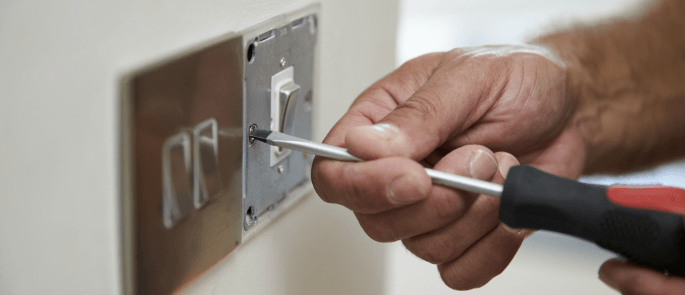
(60, 62)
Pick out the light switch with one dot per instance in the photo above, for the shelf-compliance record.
(280, 89)
(290, 99)
(207, 182)
(283, 87)
(183, 171)
(177, 193)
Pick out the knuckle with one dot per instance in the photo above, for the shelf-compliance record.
(422, 108)
(448, 207)
(421, 60)
(491, 205)
(454, 279)
(376, 230)
(318, 177)
(436, 250)
(355, 192)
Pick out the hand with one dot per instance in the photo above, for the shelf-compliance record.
(433, 109)
(629, 278)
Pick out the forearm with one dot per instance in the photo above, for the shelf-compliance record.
(628, 77)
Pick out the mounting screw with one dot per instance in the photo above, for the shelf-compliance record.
(283, 62)
(251, 50)
(281, 169)
(249, 216)
(251, 139)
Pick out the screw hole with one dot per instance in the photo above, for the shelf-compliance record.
(251, 140)
(248, 216)
(251, 52)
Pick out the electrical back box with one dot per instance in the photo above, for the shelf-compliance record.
(194, 187)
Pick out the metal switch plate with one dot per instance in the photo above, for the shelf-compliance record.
(177, 191)
(279, 78)
(207, 182)
(193, 185)
(182, 137)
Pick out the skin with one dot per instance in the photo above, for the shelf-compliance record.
(596, 99)
(421, 115)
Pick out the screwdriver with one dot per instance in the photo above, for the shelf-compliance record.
(533, 199)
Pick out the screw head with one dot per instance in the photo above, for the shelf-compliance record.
(281, 169)
(251, 140)
(283, 62)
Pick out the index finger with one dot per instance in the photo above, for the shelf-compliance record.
(384, 96)
(330, 178)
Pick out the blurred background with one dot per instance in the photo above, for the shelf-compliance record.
(547, 263)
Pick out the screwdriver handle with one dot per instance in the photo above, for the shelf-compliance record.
(534, 199)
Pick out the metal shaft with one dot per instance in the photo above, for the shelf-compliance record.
(341, 154)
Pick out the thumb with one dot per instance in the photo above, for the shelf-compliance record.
(445, 106)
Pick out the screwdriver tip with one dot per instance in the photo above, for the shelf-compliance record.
(260, 134)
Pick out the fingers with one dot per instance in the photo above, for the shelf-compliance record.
(451, 241)
(491, 253)
(442, 205)
(476, 247)
(629, 278)
(382, 97)
(450, 101)
(505, 161)
(483, 261)
(373, 186)
(334, 181)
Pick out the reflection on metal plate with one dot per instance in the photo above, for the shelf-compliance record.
(177, 187)
(183, 121)
(205, 148)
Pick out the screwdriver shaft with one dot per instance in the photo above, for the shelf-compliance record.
(333, 152)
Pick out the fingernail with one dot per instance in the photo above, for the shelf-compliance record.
(529, 233)
(482, 165)
(404, 190)
(517, 231)
(382, 130)
(506, 161)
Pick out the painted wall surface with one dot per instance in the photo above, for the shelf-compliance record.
(60, 63)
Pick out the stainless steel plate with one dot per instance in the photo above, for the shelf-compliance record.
(275, 49)
(183, 136)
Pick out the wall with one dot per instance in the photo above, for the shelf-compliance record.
(60, 62)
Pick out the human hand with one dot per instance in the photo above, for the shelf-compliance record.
(629, 278)
(432, 109)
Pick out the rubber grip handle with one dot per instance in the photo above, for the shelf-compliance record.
(534, 199)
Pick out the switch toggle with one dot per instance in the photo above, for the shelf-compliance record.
(285, 99)
(206, 180)
(289, 100)
(177, 198)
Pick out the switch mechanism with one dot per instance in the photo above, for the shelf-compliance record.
(285, 99)
(289, 98)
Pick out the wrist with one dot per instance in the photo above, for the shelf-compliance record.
(571, 51)
(625, 120)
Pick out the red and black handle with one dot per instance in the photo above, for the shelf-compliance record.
(534, 199)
